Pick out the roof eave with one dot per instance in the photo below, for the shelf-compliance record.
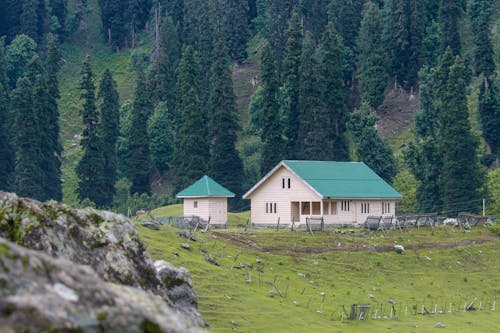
(270, 173)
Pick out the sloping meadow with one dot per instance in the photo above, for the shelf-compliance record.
(262, 280)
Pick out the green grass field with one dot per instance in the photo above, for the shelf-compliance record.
(285, 281)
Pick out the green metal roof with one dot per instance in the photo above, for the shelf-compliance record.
(342, 179)
(205, 187)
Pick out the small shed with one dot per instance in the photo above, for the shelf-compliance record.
(206, 199)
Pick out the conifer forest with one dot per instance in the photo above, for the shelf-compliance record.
(121, 104)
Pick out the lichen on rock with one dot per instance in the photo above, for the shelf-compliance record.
(106, 242)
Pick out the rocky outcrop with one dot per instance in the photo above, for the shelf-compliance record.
(108, 244)
(39, 293)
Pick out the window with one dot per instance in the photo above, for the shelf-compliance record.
(282, 182)
(365, 208)
(386, 207)
(289, 182)
(345, 205)
(271, 208)
(285, 182)
(326, 207)
(195, 204)
(316, 208)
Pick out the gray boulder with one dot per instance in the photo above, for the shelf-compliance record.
(105, 241)
(41, 293)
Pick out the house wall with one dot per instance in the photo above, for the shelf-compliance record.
(271, 193)
(213, 208)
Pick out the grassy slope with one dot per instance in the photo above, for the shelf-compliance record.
(430, 276)
(86, 41)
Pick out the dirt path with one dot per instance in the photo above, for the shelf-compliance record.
(244, 242)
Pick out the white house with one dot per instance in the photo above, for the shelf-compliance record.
(206, 199)
(342, 193)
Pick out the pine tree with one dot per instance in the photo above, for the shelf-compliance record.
(345, 16)
(90, 168)
(346, 19)
(489, 114)
(461, 174)
(138, 155)
(58, 12)
(162, 76)
(52, 148)
(314, 138)
(109, 129)
(371, 57)
(273, 145)
(229, 19)
(480, 13)
(450, 12)
(192, 148)
(423, 155)
(225, 163)
(370, 148)
(19, 52)
(291, 85)
(315, 15)
(28, 179)
(403, 34)
(29, 19)
(161, 137)
(279, 14)
(6, 154)
(334, 92)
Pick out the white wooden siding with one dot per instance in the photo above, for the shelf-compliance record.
(272, 192)
(213, 207)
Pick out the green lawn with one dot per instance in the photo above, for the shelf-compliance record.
(316, 280)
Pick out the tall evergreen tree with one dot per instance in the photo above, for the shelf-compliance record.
(334, 92)
(28, 173)
(19, 52)
(291, 83)
(162, 76)
(314, 138)
(138, 155)
(6, 153)
(273, 145)
(225, 163)
(29, 19)
(161, 137)
(450, 12)
(480, 13)
(370, 148)
(371, 57)
(52, 148)
(58, 13)
(230, 21)
(109, 130)
(192, 147)
(403, 33)
(423, 155)
(345, 16)
(90, 168)
(315, 15)
(489, 114)
(279, 13)
(461, 174)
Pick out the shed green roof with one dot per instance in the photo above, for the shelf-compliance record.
(331, 179)
(342, 179)
(205, 187)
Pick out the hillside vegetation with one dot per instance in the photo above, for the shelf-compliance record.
(231, 88)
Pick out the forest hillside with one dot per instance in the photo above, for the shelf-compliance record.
(121, 104)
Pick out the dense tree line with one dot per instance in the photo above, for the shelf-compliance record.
(30, 147)
(326, 67)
